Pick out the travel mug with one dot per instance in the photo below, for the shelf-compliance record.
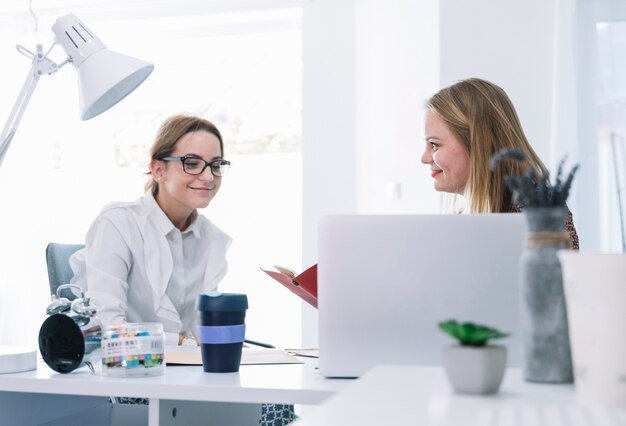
(221, 330)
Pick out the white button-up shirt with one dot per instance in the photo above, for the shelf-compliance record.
(138, 267)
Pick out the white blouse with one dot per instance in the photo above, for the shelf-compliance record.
(138, 267)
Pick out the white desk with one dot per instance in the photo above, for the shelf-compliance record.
(403, 395)
(45, 394)
(390, 395)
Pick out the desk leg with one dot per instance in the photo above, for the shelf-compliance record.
(191, 413)
(153, 411)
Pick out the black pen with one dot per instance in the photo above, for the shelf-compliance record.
(263, 345)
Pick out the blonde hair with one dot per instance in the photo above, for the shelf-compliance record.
(170, 133)
(482, 117)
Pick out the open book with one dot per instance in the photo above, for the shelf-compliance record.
(304, 285)
(191, 355)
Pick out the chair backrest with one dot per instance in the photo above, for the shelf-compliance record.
(58, 261)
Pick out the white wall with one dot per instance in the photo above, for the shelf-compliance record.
(368, 67)
(397, 63)
(328, 125)
(508, 42)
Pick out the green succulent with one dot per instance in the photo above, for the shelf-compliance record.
(534, 189)
(469, 334)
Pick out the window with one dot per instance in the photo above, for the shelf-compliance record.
(611, 118)
(240, 70)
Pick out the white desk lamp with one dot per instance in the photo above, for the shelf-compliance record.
(104, 79)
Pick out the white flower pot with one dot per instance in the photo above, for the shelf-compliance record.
(595, 291)
(475, 370)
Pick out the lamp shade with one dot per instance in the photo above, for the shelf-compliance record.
(104, 77)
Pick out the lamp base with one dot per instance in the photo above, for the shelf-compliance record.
(15, 359)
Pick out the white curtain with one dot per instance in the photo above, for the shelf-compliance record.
(573, 113)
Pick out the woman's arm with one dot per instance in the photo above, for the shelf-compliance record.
(571, 230)
(107, 263)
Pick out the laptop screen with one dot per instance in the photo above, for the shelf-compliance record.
(386, 281)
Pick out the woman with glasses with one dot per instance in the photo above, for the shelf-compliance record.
(147, 260)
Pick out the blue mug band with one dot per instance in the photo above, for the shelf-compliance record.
(221, 334)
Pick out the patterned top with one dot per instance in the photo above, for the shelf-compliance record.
(569, 225)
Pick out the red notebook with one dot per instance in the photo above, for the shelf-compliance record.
(304, 285)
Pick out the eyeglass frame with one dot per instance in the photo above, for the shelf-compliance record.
(208, 164)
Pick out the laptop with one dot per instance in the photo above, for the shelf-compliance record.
(386, 281)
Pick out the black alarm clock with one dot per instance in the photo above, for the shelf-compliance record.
(70, 337)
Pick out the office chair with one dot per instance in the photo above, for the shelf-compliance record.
(59, 271)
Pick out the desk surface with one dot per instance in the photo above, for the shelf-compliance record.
(401, 395)
(385, 395)
(284, 383)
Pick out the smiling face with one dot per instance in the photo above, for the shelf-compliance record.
(180, 193)
(446, 155)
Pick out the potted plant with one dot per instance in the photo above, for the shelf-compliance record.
(545, 334)
(473, 365)
(534, 189)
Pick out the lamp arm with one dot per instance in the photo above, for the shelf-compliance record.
(41, 65)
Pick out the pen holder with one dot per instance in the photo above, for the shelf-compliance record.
(222, 330)
(133, 350)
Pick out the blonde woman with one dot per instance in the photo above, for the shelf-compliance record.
(465, 125)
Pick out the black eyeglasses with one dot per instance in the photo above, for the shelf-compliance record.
(195, 166)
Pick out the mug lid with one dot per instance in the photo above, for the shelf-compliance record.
(217, 301)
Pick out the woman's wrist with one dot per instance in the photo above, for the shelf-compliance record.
(187, 340)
